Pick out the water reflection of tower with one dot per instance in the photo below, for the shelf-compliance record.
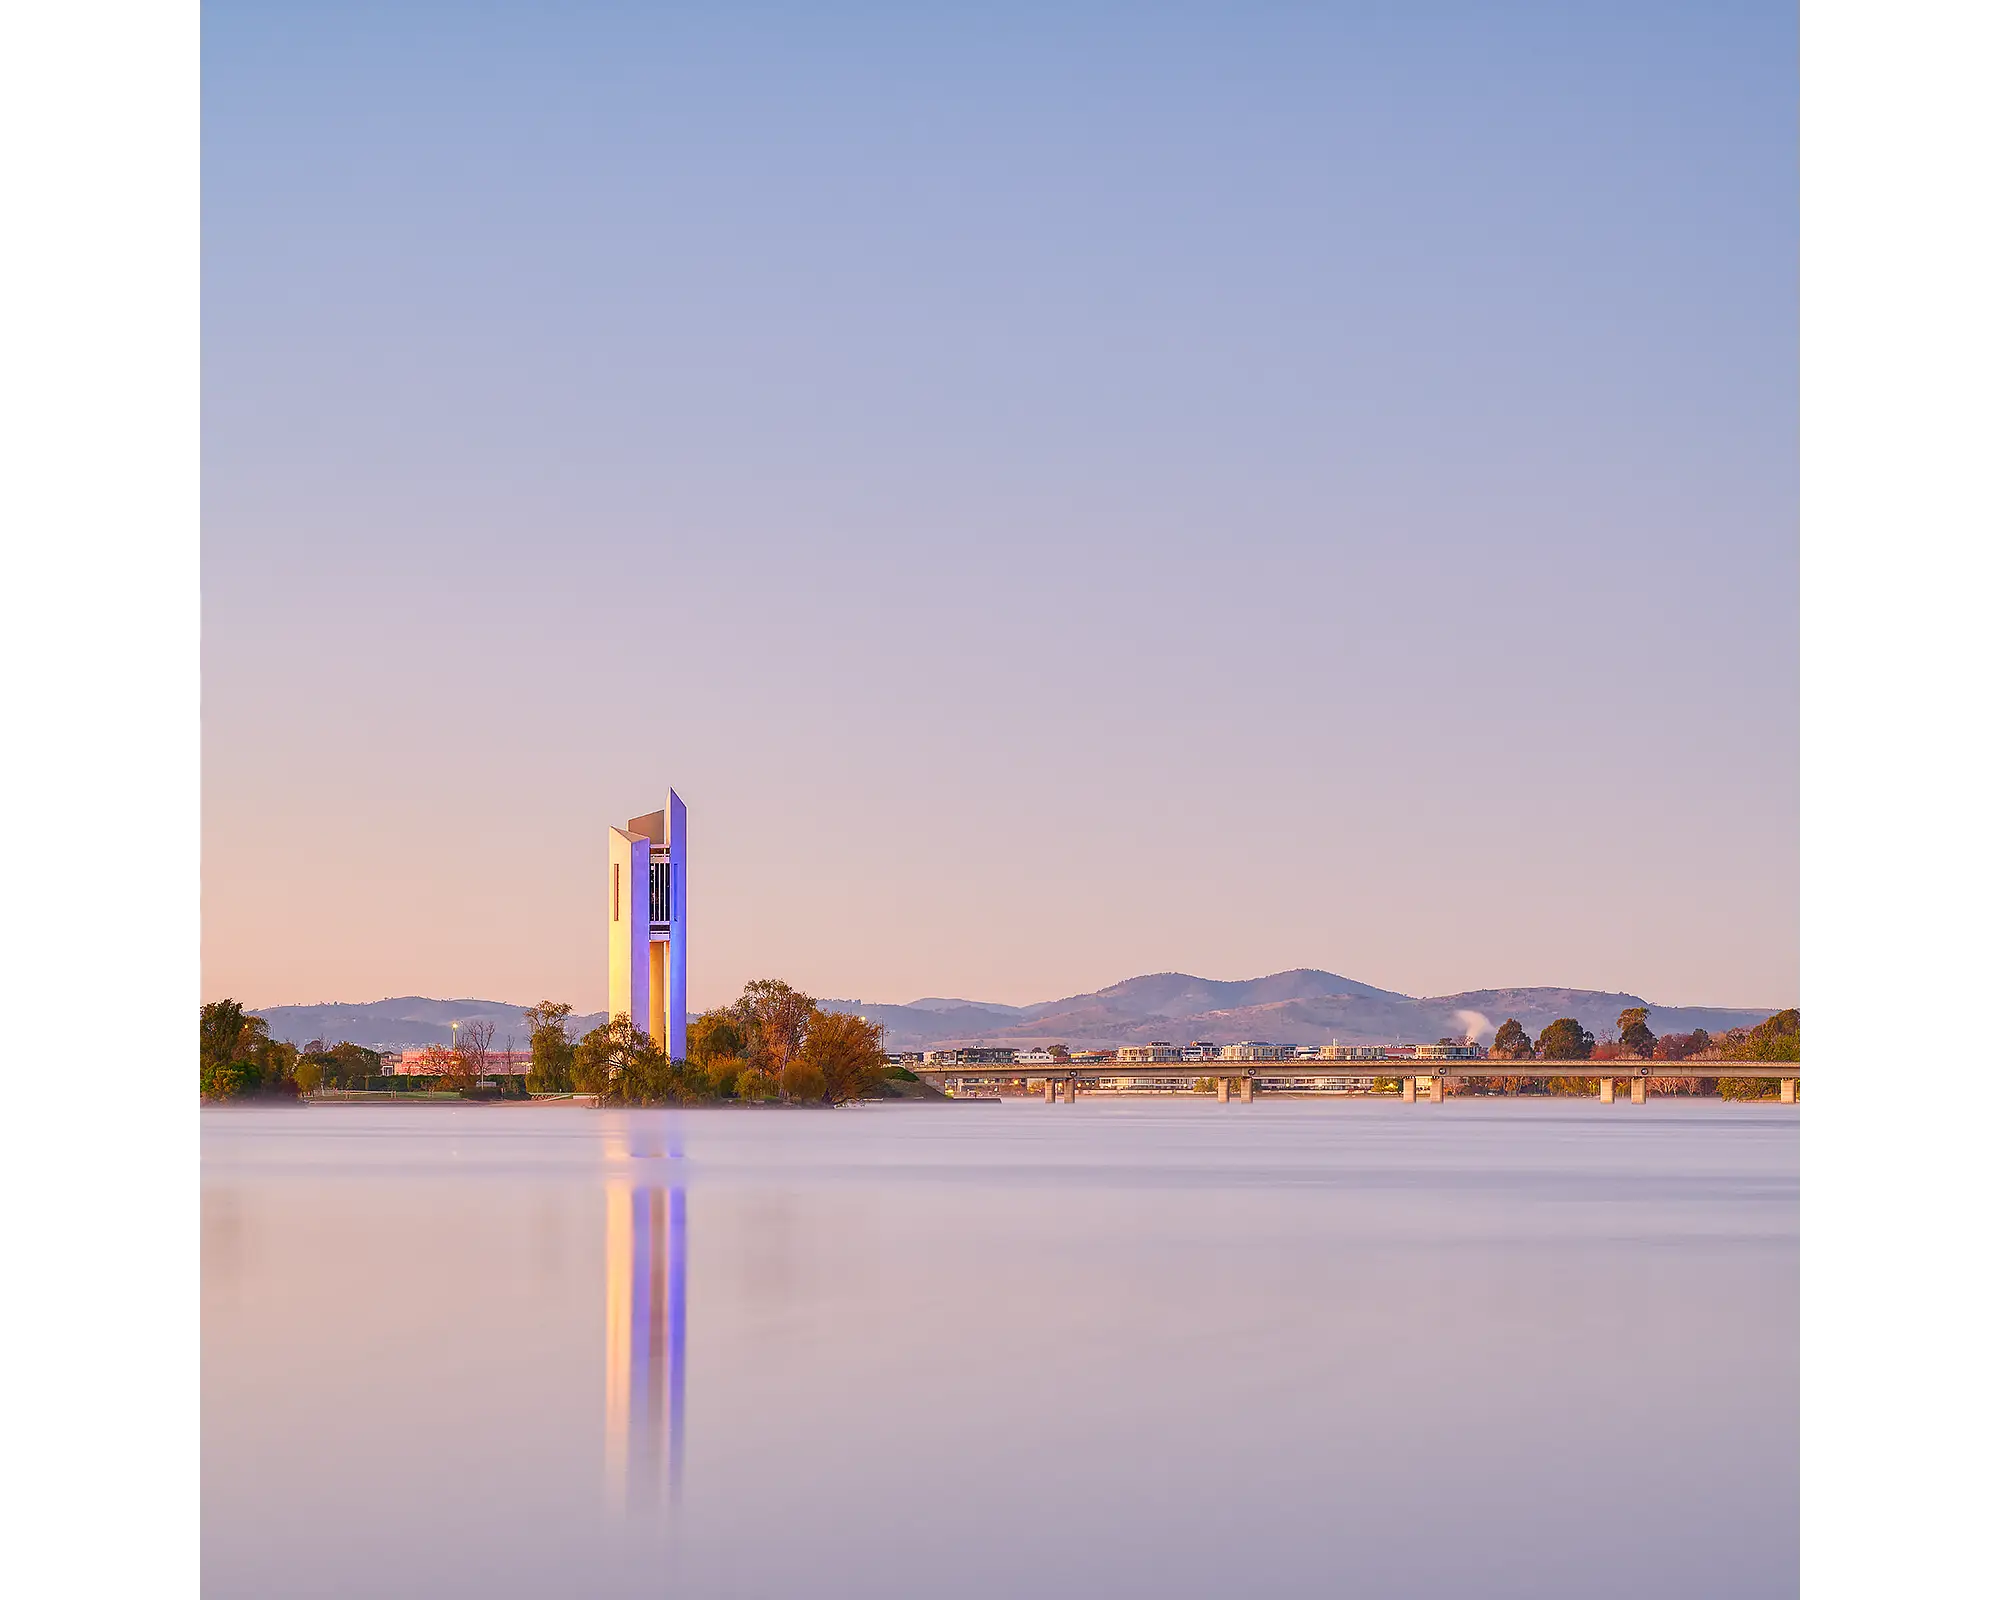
(645, 1338)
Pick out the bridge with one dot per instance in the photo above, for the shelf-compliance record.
(1240, 1080)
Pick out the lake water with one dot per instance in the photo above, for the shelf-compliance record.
(1156, 1348)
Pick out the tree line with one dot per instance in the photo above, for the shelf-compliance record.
(241, 1061)
(1776, 1038)
(771, 1043)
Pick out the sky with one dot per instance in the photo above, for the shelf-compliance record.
(1062, 493)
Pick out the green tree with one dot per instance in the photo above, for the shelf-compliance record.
(307, 1074)
(551, 1051)
(356, 1064)
(1747, 1088)
(753, 1084)
(1698, 1041)
(1633, 1033)
(1776, 1038)
(718, 1034)
(604, 1054)
(1565, 1040)
(342, 1066)
(624, 1065)
(239, 1057)
(1511, 1042)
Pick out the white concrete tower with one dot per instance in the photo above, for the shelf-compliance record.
(649, 924)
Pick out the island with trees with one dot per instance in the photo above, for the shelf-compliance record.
(774, 1044)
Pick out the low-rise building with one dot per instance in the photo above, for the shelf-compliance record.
(1256, 1050)
(432, 1060)
(1201, 1050)
(1033, 1058)
(977, 1055)
(1159, 1050)
(1447, 1052)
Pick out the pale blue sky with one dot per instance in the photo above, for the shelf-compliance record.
(1098, 491)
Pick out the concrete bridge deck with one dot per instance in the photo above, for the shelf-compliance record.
(1238, 1080)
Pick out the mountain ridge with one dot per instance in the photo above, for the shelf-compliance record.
(1301, 1006)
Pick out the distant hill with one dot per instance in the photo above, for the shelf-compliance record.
(1299, 1007)
(399, 1024)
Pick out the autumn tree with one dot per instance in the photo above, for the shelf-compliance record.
(467, 1062)
(1565, 1040)
(774, 1017)
(846, 1052)
(434, 1061)
(551, 1051)
(801, 1080)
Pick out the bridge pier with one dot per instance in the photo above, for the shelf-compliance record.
(1245, 1088)
(1605, 1088)
(1788, 1091)
(1437, 1088)
(1409, 1091)
(1049, 1090)
(1638, 1091)
(1222, 1091)
(1069, 1091)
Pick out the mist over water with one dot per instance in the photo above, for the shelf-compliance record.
(1169, 1348)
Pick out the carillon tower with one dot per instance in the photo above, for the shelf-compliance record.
(649, 924)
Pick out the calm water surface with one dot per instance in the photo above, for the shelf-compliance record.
(1123, 1347)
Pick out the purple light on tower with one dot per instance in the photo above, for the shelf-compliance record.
(649, 927)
